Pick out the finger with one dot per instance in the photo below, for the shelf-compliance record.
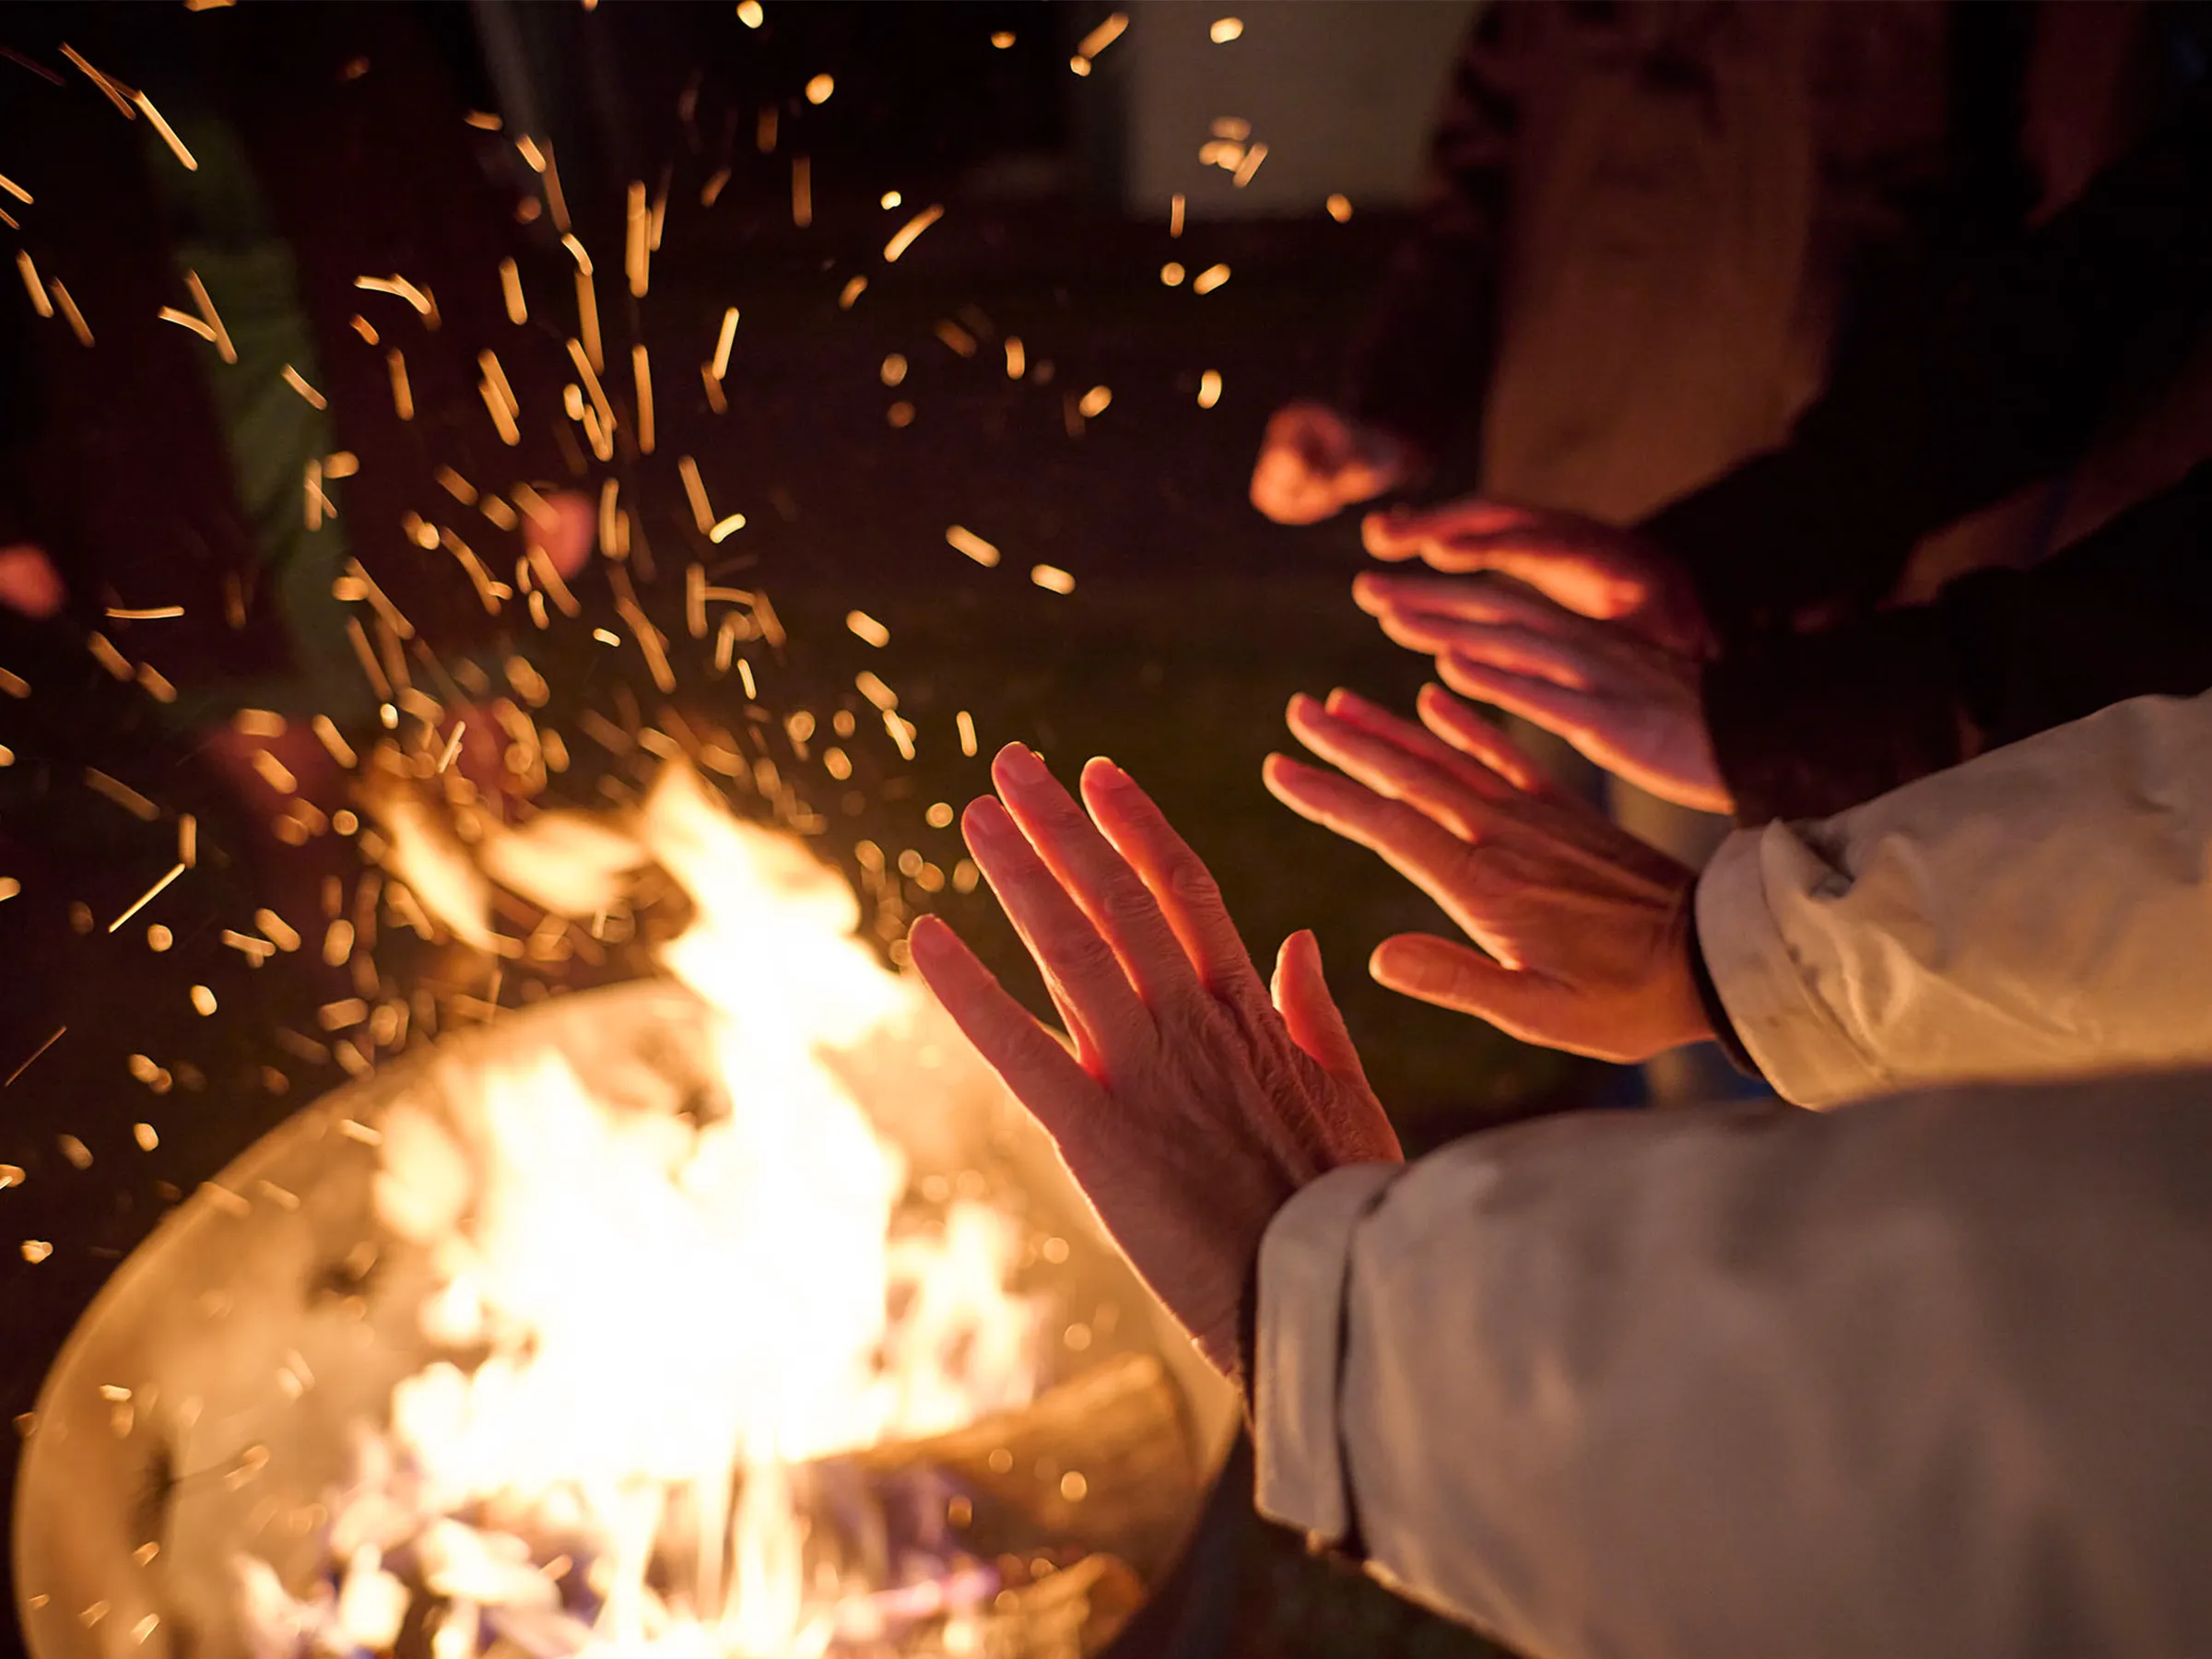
(1310, 1013)
(1411, 842)
(1401, 532)
(1478, 598)
(1469, 771)
(1555, 561)
(1348, 1123)
(1528, 651)
(1099, 879)
(1565, 710)
(1472, 735)
(1044, 1077)
(1392, 772)
(1520, 1004)
(1184, 887)
(1080, 968)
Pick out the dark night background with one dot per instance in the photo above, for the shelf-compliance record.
(1192, 620)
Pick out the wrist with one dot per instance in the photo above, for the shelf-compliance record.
(1719, 1027)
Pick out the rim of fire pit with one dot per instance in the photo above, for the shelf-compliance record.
(98, 1468)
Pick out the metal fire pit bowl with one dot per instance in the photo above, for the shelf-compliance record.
(252, 1333)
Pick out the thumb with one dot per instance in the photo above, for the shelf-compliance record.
(1395, 534)
(1519, 1002)
(1301, 997)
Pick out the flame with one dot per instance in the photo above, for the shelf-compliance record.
(661, 1321)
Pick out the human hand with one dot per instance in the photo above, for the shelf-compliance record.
(1585, 928)
(29, 584)
(565, 534)
(1315, 462)
(1195, 1103)
(1631, 705)
(1596, 570)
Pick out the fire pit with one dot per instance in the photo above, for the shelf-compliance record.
(647, 1322)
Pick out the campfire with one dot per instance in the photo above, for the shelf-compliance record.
(735, 1315)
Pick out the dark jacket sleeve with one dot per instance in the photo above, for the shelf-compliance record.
(1420, 360)
(1807, 725)
(1976, 383)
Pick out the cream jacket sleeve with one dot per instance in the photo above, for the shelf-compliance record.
(2044, 909)
(1925, 1376)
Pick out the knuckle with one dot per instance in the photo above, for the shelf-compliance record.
(1126, 906)
(1192, 883)
(1079, 955)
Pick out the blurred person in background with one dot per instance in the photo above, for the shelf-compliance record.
(1650, 232)
(1796, 635)
(214, 423)
(1916, 1374)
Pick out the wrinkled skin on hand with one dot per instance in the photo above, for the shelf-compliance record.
(1582, 929)
(1196, 1100)
(1315, 462)
(1629, 704)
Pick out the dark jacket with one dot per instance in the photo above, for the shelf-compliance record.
(1997, 377)
(1645, 224)
(331, 147)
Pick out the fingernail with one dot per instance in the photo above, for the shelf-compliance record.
(1021, 761)
(1100, 769)
(985, 819)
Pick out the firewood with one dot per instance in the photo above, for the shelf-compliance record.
(1103, 1462)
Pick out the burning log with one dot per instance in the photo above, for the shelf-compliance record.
(1103, 1463)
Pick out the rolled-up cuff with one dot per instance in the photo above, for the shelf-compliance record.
(1786, 1031)
(1716, 1011)
(1299, 1352)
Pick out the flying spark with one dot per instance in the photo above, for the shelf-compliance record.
(199, 298)
(966, 541)
(111, 88)
(511, 289)
(403, 395)
(641, 369)
(76, 319)
(39, 302)
(1103, 35)
(723, 342)
(907, 233)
